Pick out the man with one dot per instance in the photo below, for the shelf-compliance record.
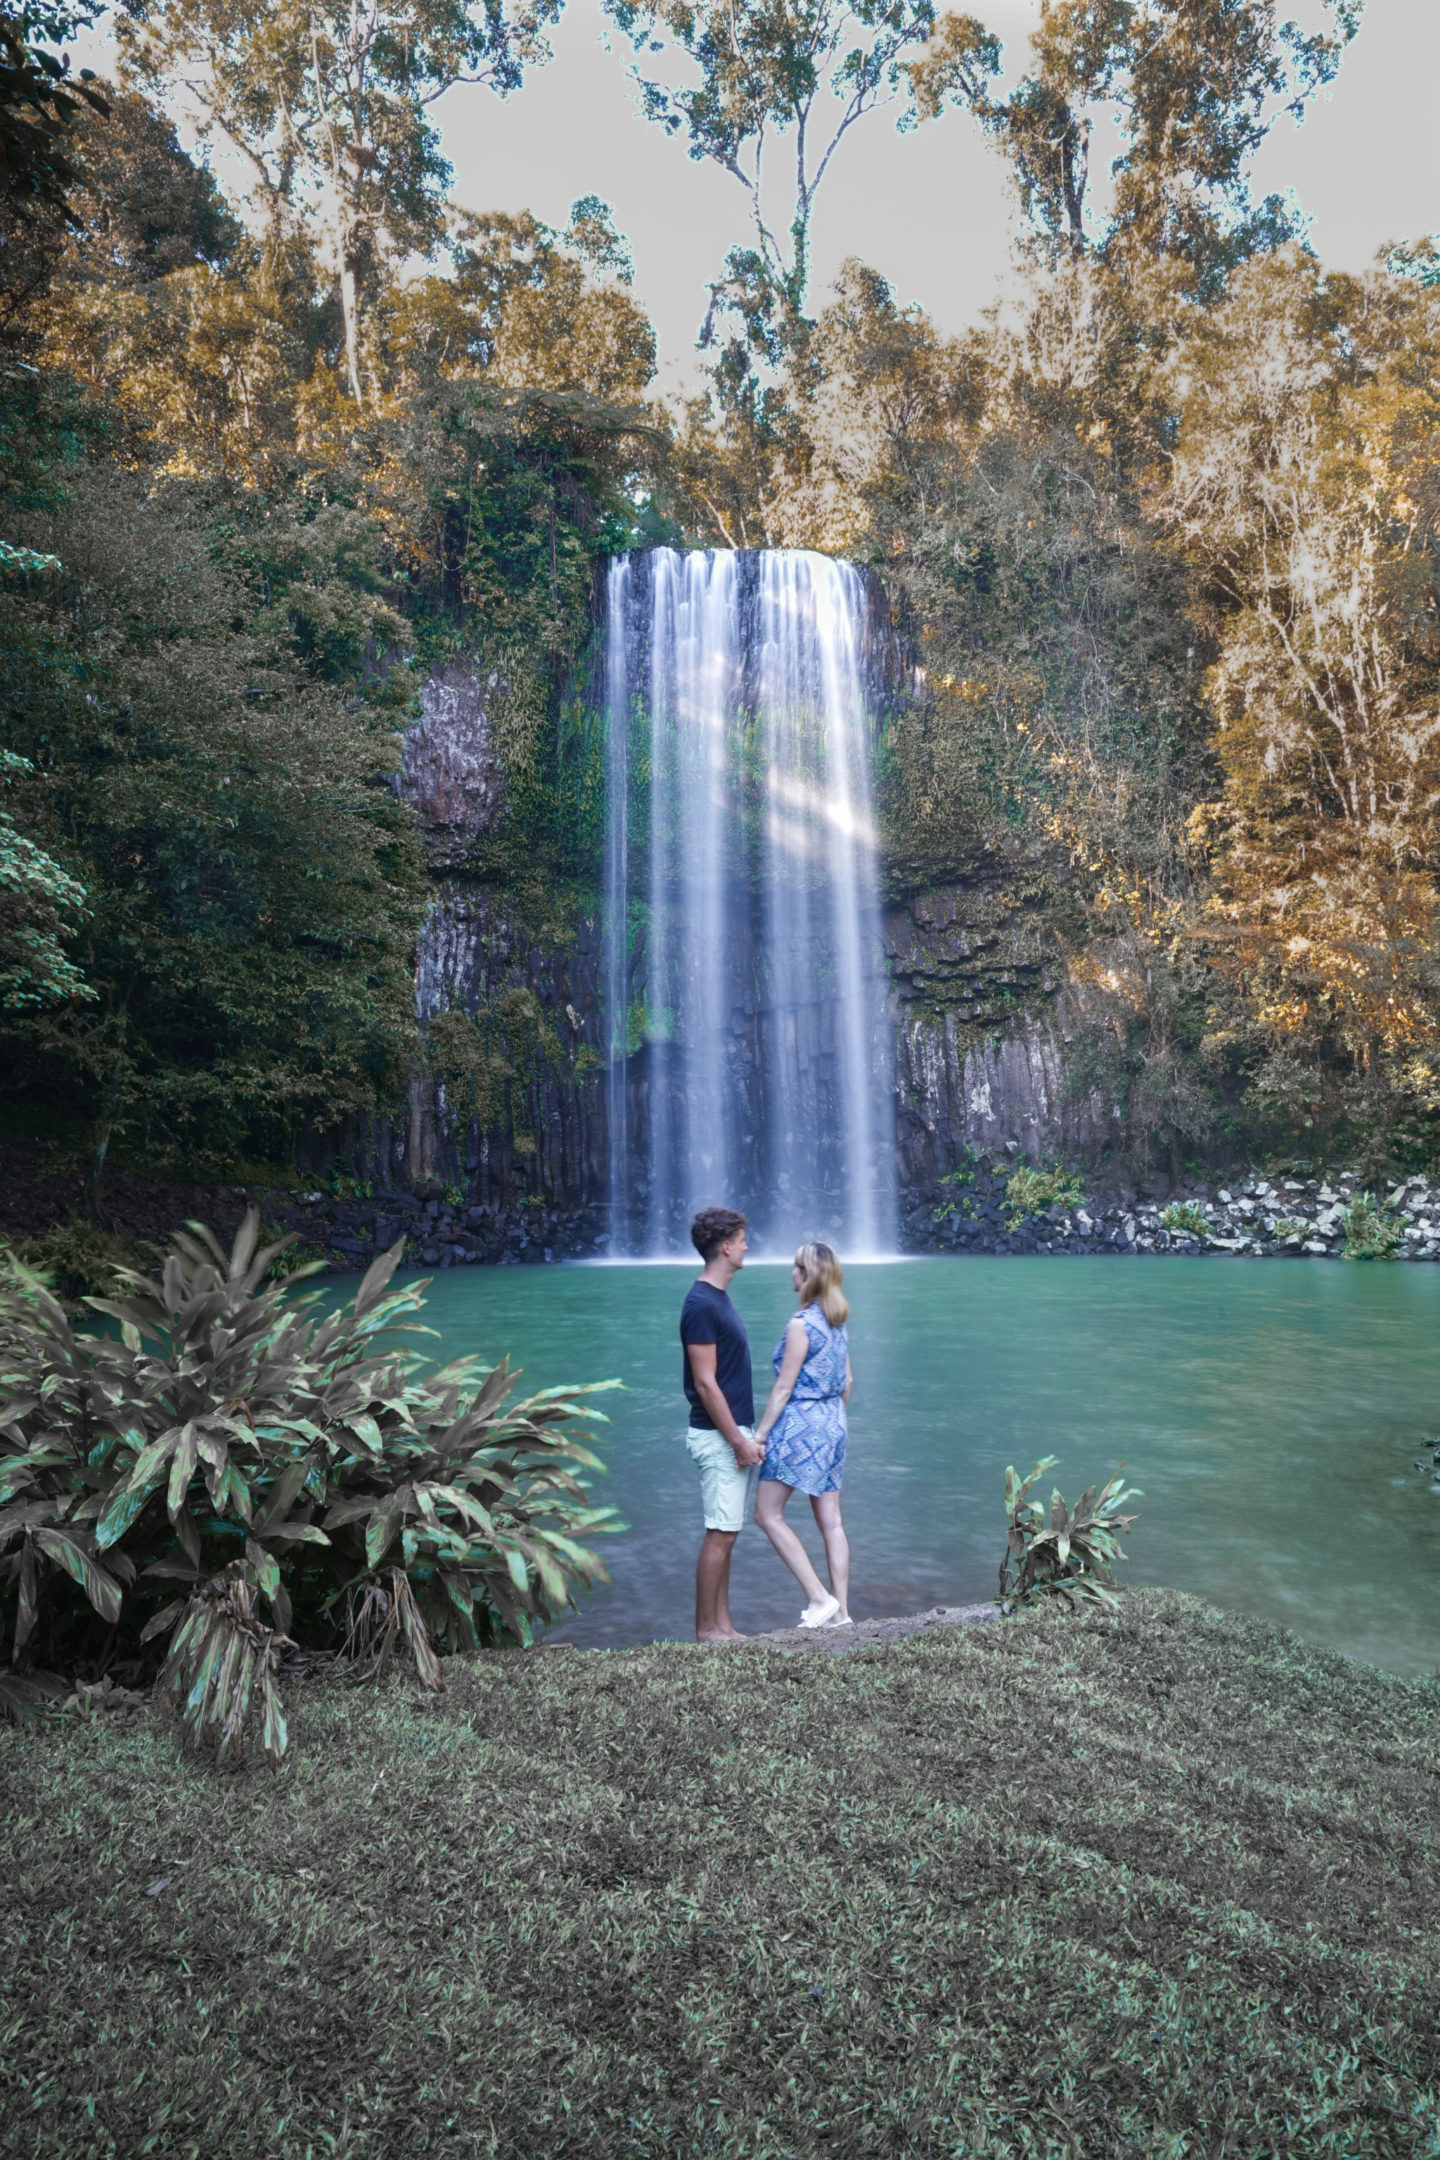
(718, 1388)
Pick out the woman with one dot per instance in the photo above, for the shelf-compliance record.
(803, 1434)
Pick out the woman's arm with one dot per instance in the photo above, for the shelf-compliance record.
(849, 1380)
(797, 1348)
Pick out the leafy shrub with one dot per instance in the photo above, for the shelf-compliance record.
(346, 1182)
(78, 1259)
(1372, 1231)
(1288, 1226)
(963, 1203)
(1184, 1216)
(238, 1443)
(1069, 1556)
(1030, 1192)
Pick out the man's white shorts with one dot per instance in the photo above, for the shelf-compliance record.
(727, 1493)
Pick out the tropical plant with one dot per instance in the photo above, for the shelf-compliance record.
(1185, 1217)
(1030, 1192)
(248, 1446)
(39, 902)
(77, 1258)
(1373, 1231)
(1071, 1554)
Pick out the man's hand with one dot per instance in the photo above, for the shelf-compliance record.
(707, 1387)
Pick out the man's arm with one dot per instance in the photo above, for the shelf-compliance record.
(707, 1387)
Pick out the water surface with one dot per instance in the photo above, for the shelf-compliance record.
(1269, 1409)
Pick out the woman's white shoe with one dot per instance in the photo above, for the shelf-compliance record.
(819, 1615)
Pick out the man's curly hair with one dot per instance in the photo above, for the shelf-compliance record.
(712, 1228)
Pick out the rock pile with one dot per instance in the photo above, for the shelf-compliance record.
(1299, 1217)
(438, 1232)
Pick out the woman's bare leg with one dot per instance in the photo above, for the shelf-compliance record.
(770, 1499)
(837, 1547)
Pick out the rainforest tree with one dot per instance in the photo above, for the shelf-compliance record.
(330, 108)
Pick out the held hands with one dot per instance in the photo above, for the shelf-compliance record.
(749, 1452)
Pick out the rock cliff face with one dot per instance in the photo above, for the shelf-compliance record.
(982, 1019)
(451, 776)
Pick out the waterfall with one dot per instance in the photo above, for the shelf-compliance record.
(749, 1047)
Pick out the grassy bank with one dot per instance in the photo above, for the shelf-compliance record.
(1159, 1886)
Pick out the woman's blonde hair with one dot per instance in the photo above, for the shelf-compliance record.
(820, 1266)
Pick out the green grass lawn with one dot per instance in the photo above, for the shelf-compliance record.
(1164, 1885)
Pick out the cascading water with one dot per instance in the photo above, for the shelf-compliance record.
(744, 978)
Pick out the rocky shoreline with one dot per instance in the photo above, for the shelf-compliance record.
(974, 1210)
(1293, 1218)
(1244, 1217)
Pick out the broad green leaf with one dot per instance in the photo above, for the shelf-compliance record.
(380, 1532)
(101, 1588)
(160, 1621)
(121, 1512)
(267, 1571)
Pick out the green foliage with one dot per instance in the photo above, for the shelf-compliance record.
(1030, 1192)
(345, 1182)
(1291, 1226)
(208, 757)
(1373, 1230)
(79, 1259)
(241, 1444)
(1061, 1554)
(40, 904)
(487, 1060)
(963, 1203)
(1186, 1215)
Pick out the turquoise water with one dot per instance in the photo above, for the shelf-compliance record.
(1269, 1409)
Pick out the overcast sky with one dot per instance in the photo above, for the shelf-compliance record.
(928, 209)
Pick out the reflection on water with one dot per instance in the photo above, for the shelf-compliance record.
(1267, 1408)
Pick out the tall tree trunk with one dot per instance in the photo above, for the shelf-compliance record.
(350, 309)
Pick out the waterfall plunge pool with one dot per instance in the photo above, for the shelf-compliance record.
(1269, 1411)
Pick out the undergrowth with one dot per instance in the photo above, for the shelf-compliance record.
(1372, 1231)
(1156, 1885)
(1030, 1192)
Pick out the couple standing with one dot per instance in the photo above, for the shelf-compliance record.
(799, 1443)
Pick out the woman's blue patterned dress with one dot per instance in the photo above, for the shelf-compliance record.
(806, 1447)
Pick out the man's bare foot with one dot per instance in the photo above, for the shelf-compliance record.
(721, 1635)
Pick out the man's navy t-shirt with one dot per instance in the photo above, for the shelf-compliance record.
(707, 1316)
